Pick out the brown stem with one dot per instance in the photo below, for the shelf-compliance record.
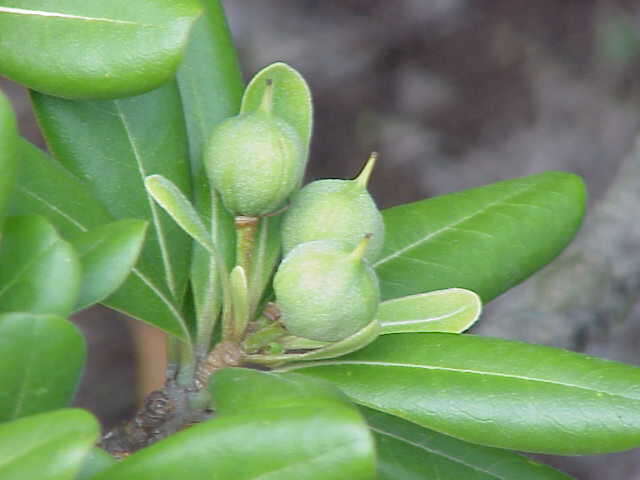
(171, 409)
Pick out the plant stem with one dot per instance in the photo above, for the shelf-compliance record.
(246, 230)
(187, 367)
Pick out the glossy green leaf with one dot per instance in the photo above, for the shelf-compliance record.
(8, 152)
(138, 137)
(41, 360)
(452, 310)
(485, 239)
(241, 390)
(48, 446)
(211, 87)
(174, 202)
(291, 97)
(95, 462)
(107, 253)
(39, 272)
(93, 49)
(301, 430)
(409, 452)
(47, 188)
(495, 392)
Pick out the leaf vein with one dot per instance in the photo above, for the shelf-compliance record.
(435, 452)
(448, 227)
(68, 16)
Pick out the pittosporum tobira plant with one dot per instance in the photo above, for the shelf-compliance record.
(309, 334)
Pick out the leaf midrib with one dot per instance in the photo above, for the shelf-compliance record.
(436, 452)
(413, 321)
(456, 370)
(27, 266)
(135, 271)
(160, 234)
(68, 16)
(418, 243)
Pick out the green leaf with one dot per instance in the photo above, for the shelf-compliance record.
(266, 257)
(453, 310)
(278, 444)
(41, 360)
(239, 301)
(323, 350)
(291, 97)
(486, 239)
(409, 452)
(95, 462)
(49, 446)
(107, 253)
(298, 429)
(8, 150)
(174, 202)
(211, 87)
(138, 136)
(209, 80)
(39, 272)
(46, 188)
(91, 49)
(495, 392)
(240, 390)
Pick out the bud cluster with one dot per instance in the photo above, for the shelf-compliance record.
(325, 289)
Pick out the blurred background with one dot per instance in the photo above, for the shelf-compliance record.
(453, 94)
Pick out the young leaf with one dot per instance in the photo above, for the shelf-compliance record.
(8, 151)
(302, 430)
(47, 446)
(173, 201)
(486, 239)
(39, 272)
(409, 452)
(211, 87)
(358, 340)
(139, 136)
(265, 258)
(291, 97)
(240, 302)
(46, 188)
(453, 310)
(107, 253)
(494, 392)
(41, 359)
(94, 49)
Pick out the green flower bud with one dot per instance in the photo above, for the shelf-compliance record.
(335, 210)
(325, 291)
(255, 161)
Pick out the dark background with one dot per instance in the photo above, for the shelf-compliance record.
(453, 94)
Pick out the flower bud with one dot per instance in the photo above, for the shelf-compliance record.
(335, 210)
(255, 161)
(325, 291)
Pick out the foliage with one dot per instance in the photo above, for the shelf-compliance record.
(123, 213)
